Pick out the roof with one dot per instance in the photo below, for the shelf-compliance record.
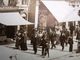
(59, 9)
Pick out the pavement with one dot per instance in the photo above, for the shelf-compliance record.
(8, 51)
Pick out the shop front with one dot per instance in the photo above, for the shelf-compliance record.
(9, 23)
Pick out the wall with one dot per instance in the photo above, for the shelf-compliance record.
(46, 19)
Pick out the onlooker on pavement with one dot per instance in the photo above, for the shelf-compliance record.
(22, 42)
(17, 38)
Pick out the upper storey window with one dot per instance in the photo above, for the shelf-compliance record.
(24, 2)
(1, 3)
(12, 2)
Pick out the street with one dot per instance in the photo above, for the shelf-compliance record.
(55, 54)
(43, 22)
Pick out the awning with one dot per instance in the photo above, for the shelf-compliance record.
(13, 19)
(59, 9)
(73, 15)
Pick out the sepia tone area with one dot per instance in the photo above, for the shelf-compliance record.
(39, 29)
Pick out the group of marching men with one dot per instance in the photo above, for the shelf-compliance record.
(53, 38)
(46, 39)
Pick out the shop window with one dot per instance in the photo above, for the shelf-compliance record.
(2, 30)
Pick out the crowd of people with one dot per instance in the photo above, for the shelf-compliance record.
(46, 39)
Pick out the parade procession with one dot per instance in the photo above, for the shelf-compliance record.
(39, 29)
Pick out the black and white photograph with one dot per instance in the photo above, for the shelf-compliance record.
(39, 29)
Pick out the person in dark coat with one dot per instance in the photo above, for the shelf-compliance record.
(35, 43)
(71, 29)
(25, 40)
(62, 40)
(31, 36)
(43, 43)
(17, 38)
(70, 41)
(53, 39)
(22, 42)
(67, 33)
(47, 49)
(78, 38)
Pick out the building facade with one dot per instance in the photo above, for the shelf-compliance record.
(46, 19)
(25, 7)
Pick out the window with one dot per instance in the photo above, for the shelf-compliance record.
(24, 2)
(1, 3)
(12, 2)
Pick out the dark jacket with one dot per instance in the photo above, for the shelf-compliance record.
(62, 38)
(70, 40)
